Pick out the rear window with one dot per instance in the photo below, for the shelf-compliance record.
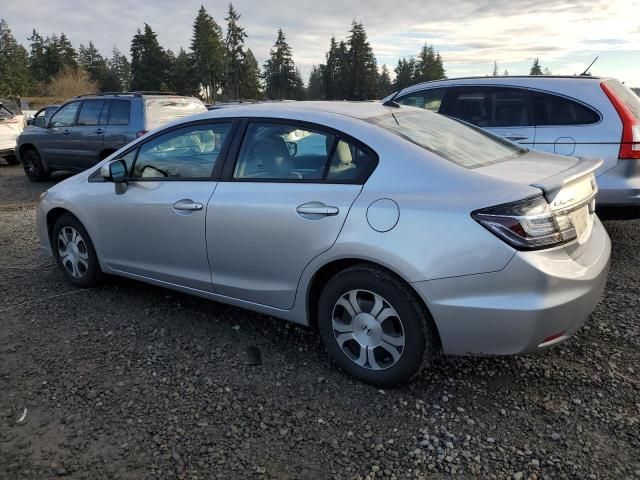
(555, 110)
(630, 99)
(160, 110)
(119, 112)
(450, 139)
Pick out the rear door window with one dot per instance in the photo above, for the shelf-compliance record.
(488, 107)
(90, 112)
(430, 99)
(554, 110)
(119, 112)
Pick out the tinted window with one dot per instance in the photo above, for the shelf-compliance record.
(489, 106)
(90, 112)
(65, 116)
(430, 99)
(119, 112)
(466, 146)
(189, 152)
(349, 162)
(554, 110)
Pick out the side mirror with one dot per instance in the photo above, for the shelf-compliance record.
(293, 148)
(114, 171)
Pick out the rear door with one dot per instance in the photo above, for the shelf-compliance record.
(87, 136)
(120, 129)
(53, 143)
(503, 111)
(271, 213)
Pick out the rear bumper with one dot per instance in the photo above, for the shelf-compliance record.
(620, 185)
(538, 300)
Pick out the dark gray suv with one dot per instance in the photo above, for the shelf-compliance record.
(89, 128)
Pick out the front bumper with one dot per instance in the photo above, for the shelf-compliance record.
(538, 300)
(620, 185)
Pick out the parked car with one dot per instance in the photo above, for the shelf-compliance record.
(581, 116)
(408, 232)
(11, 124)
(89, 128)
(41, 117)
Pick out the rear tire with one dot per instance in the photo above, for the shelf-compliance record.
(374, 326)
(74, 252)
(33, 166)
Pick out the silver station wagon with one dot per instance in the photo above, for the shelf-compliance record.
(394, 231)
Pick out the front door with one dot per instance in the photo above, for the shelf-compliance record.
(156, 227)
(54, 143)
(283, 203)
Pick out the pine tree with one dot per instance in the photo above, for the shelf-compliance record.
(404, 73)
(363, 68)
(547, 71)
(208, 54)
(93, 63)
(385, 87)
(282, 80)
(68, 54)
(330, 71)
(15, 78)
(495, 69)
(506, 73)
(149, 61)
(119, 76)
(250, 84)
(37, 61)
(315, 87)
(535, 68)
(234, 53)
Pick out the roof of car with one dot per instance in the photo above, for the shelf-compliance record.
(359, 110)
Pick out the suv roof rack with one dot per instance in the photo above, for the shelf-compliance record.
(137, 93)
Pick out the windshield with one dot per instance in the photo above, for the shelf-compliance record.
(451, 139)
(161, 110)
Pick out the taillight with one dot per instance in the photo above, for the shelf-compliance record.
(141, 133)
(528, 224)
(630, 142)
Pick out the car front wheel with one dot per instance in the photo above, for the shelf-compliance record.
(375, 327)
(74, 252)
(33, 167)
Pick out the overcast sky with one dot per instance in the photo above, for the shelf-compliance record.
(470, 34)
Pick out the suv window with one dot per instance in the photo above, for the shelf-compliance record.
(555, 110)
(66, 116)
(430, 99)
(489, 106)
(90, 112)
(183, 153)
(119, 112)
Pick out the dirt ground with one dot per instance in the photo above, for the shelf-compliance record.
(132, 381)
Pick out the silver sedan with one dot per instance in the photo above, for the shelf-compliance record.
(396, 232)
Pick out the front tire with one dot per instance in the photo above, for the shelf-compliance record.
(74, 252)
(374, 326)
(33, 166)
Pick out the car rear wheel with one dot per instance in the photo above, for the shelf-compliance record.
(375, 327)
(33, 167)
(74, 252)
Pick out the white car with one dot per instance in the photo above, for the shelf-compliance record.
(579, 116)
(11, 125)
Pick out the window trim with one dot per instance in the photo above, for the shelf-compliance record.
(217, 167)
(75, 118)
(232, 157)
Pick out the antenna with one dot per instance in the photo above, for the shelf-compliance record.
(590, 65)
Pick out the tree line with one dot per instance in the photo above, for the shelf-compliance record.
(216, 66)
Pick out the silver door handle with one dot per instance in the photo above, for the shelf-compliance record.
(515, 138)
(187, 205)
(317, 208)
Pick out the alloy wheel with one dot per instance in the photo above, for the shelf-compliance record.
(368, 329)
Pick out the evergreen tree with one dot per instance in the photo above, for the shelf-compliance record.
(208, 54)
(362, 65)
(68, 54)
(547, 71)
(506, 73)
(315, 87)
(428, 65)
(53, 63)
(183, 79)
(37, 60)
(535, 68)
(149, 61)
(250, 84)
(385, 87)
(15, 78)
(330, 72)
(404, 73)
(93, 63)
(495, 69)
(234, 53)
(282, 80)
(119, 74)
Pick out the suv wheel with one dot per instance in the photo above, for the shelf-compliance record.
(33, 167)
(74, 252)
(374, 326)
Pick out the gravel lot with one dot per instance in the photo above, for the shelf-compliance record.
(133, 381)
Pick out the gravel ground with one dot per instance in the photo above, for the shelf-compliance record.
(133, 381)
